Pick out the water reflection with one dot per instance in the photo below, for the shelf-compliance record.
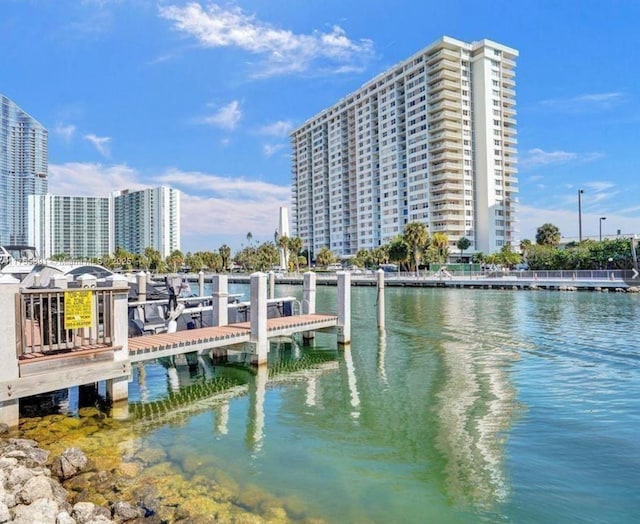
(352, 381)
(255, 420)
(382, 349)
(475, 402)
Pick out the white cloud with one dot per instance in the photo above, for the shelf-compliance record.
(585, 102)
(88, 179)
(227, 117)
(538, 157)
(271, 149)
(281, 128)
(101, 143)
(285, 51)
(65, 132)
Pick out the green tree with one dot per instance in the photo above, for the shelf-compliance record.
(379, 255)
(362, 258)
(225, 253)
(525, 246)
(439, 248)
(325, 257)
(155, 259)
(175, 260)
(416, 237)
(295, 247)
(463, 244)
(399, 251)
(548, 235)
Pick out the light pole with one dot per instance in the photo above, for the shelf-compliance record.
(580, 191)
(601, 219)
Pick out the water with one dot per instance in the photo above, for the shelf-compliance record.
(494, 406)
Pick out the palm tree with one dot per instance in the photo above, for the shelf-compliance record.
(295, 246)
(249, 238)
(440, 243)
(548, 235)
(416, 237)
(399, 251)
(463, 244)
(225, 253)
(325, 257)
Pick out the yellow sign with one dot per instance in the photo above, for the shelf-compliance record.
(78, 309)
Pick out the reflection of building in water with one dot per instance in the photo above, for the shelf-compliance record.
(382, 349)
(353, 384)
(255, 422)
(475, 404)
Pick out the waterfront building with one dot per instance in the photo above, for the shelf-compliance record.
(432, 139)
(23, 169)
(146, 218)
(76, 226)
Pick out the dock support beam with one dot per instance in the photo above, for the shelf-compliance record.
(118, 388)
(344, 307)
(201, 283)
(141, 280)
(308, 301)
(220, 295)
(380, 299)
(9, 371)
(258, 335)
(272, 285)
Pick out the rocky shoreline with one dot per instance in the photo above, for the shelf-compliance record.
(31, 490)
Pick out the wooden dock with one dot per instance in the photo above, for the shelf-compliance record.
(203, 339)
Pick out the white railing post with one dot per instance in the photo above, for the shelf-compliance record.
(344, 307)
(259, 316)
(90, 335)
(220, 302)
(118, 388)
(141, 280)
(272, 285)
(201, 283)
(308, 301)
(9, 288)
(380, 299)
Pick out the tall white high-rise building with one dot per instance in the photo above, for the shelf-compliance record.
(75, 226)
(432, 139)
(23, 169)
(146, 218)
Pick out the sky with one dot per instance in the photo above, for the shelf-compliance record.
(201, 96)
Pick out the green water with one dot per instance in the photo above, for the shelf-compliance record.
(494, 406)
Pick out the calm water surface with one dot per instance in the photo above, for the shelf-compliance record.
(494, 406)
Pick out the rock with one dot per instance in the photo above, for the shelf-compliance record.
(18, 476)
(70, 463)
(42, 511)
(4, 428)
(83, 512)
(5, 514)
(123, 512)
(35, 488)
(64, 518)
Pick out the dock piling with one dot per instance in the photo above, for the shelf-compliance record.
(118, 388)
(220, 295)
(9, 288)
(308, 301)
(259, 317)
(380, 299)
(344, 307)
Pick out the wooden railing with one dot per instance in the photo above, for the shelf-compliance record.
(43, 326)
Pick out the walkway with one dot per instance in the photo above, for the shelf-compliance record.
(169, 344)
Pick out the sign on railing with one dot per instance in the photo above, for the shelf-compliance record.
(56, 321)
(78, 309)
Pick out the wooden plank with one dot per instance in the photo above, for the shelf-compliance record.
(63, 378)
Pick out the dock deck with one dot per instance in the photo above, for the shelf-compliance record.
(168, 344)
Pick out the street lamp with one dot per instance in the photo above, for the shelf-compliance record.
(601, 219)
(580, 191)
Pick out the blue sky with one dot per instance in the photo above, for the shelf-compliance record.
(202, 95)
